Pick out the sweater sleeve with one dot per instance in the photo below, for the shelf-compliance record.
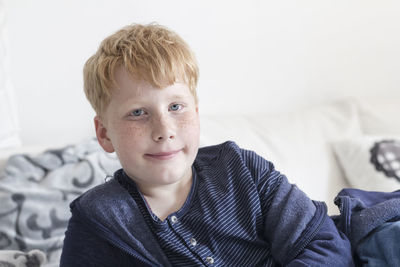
(83, 247)
(328, 247)
(298, 229)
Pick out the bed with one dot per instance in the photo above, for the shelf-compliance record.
(321, 149)
(353, 142)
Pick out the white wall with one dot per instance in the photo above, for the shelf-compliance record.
(254, 55)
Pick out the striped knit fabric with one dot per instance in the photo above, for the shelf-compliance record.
(222, 220)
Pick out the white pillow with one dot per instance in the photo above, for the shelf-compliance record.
(8, 116)
(298, 143)
(380, 115)
(370, 162)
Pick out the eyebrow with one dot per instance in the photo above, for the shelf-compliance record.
(172, 97)
(178, 97)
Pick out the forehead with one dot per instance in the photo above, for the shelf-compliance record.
(123, 79)
(128, 86)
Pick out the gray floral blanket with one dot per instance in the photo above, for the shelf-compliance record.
(35, 192)
(15, 258)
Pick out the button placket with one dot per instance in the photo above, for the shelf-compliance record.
(192, 242)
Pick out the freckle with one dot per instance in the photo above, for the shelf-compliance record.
(188, 122)
(133, 130)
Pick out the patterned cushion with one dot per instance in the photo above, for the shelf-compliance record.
(15, 258)
(371, 162)
(35, 192)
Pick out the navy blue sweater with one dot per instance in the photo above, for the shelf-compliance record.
(240, 212)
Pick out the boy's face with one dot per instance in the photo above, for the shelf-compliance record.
(155, 132)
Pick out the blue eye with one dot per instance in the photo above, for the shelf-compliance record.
(175, 107)
(137, 112)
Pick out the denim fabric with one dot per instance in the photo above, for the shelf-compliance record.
(362, 213)
(381, 247)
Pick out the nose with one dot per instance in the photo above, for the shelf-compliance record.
(163, 128)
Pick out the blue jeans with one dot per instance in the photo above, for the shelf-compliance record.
(382, 246)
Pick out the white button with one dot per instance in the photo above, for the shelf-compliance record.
(174, 219)
(193, 242)
(210, 260)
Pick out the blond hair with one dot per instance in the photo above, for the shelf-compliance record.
(149, 52)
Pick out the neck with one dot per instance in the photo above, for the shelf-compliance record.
(166, 199)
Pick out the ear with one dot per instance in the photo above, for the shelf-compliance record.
(102, 137)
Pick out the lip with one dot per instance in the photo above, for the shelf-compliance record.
(163, 155)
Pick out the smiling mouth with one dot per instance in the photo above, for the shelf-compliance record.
(163, 155)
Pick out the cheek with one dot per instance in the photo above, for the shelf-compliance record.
(127, 135)
(190, 126)
(189, 121)
(127, 139)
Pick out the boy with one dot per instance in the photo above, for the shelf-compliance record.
(173, 204)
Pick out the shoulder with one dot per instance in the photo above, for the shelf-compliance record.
(226, 151)
(217, 155)
(102, 198)
(230, 155)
